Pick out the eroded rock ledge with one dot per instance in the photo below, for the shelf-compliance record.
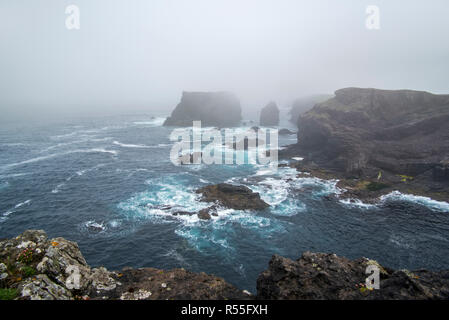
(327, 276)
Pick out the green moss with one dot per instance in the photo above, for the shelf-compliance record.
(376, 186)
(8, 294)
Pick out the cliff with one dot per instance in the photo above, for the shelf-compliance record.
(218, 109)
(37, 268)
(360, 132)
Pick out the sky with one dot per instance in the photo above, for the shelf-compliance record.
(139, 55)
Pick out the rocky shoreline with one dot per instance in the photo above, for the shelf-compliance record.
(33, 267)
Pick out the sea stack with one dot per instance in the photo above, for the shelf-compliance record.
(269, 116)
(217, 109)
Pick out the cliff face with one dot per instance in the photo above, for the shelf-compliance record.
(220, 109)
(269, 115)
(317, 276)
(403, 132)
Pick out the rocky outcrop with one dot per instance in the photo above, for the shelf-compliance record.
(232, 196)
(33, 267)
(269, 116)
(319, 276)
(220, 109)
(37, 268)
(397, 138)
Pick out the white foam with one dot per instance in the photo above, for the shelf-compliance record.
(54, 155)
(124, 145)
(21, 204)
(17, 206)
(58, 188)
(350, 202)
(159, 121)
(96, 226)
(434, 205)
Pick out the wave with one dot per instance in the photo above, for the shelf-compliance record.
(63, 144)
(14, 175)
(434, 205)
(54, 155)
(356, 203)
(159, 121)
(84, 171)
(58, 187)
(124, 145)
(17, 206)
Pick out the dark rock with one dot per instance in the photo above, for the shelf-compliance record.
(319, 276)
(232, 196)
(269, 116)
(220, 109)
(182, 213)
(204, 214)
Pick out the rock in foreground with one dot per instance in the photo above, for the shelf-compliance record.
(216, 109)
(37, 268)
(329, 277)
(232, 196)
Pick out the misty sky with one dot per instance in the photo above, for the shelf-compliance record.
(140, 55)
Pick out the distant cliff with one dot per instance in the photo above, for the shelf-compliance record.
(218, 109)
(304, 104)
(269, 115)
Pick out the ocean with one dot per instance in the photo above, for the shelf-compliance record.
(106, 182)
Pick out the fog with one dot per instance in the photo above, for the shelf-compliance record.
(138, 56)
